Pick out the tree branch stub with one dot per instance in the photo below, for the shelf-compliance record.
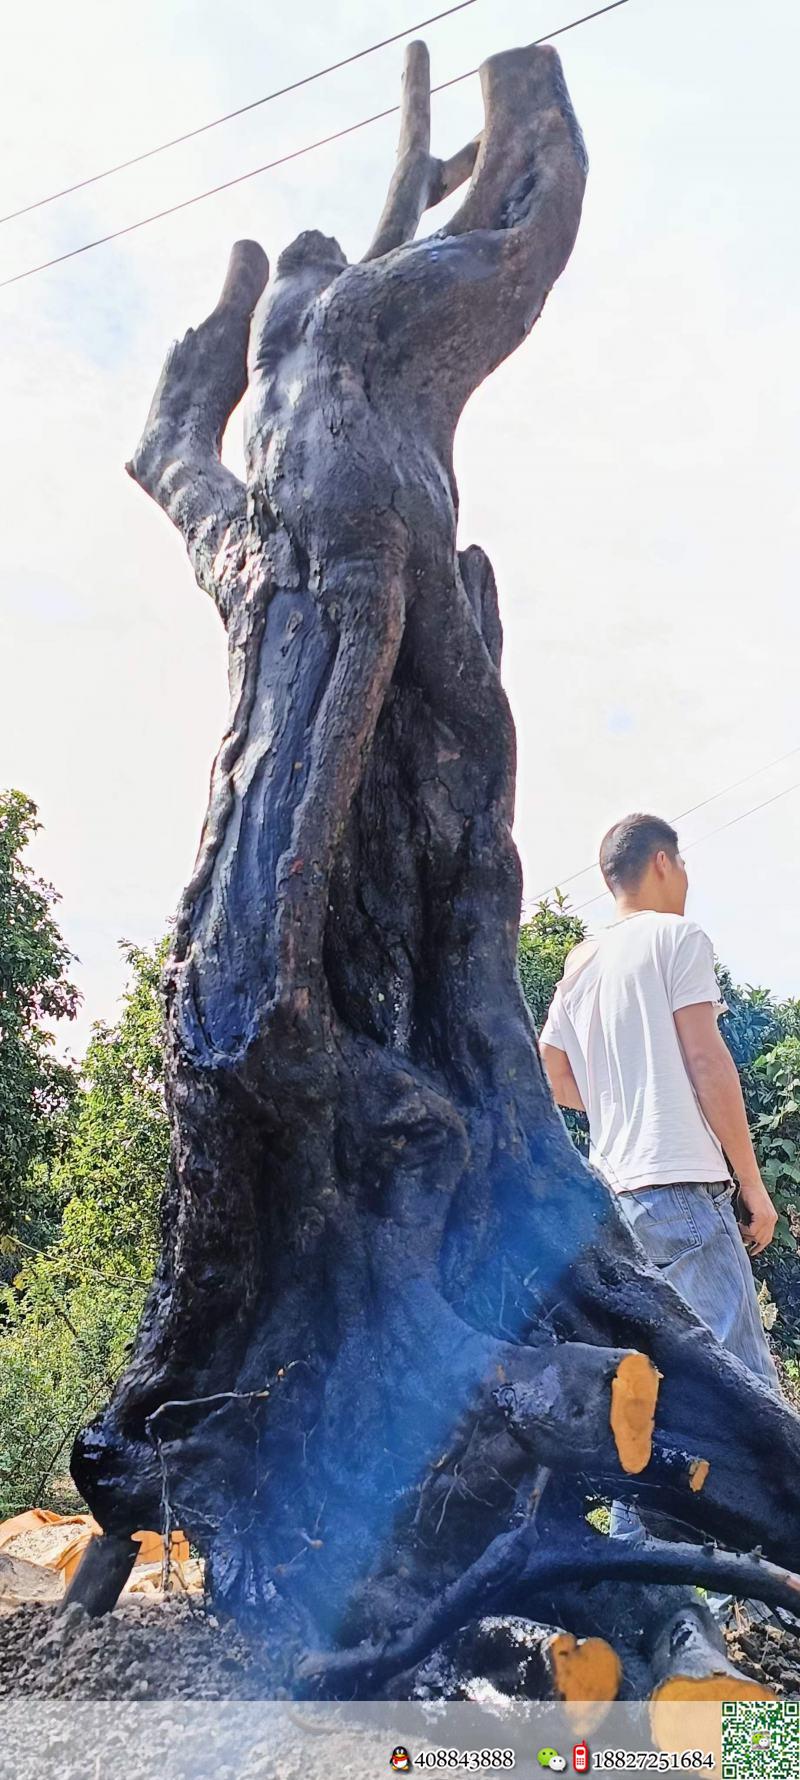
(177, 461)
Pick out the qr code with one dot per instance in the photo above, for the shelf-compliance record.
(760, 1741)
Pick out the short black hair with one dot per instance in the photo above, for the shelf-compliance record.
(627, 849)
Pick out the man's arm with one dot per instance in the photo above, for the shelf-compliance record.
(716, 1084)
(559, 1074)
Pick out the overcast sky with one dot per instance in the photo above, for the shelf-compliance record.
(631, 471)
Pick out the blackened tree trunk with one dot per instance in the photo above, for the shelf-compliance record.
(387, 1361)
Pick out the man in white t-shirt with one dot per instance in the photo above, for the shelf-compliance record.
(632, 1039)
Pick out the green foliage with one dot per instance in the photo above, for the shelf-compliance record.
(753, 1022)
(36, 1089)
(68, 1319)
(764, 1037)
(64, 1340)
(544, 942)
(112, 1174)
(773, 1096)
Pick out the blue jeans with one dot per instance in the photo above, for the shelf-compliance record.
(690, 1233)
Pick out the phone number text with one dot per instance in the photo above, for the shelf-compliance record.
(659, 1761)
(473, 1761)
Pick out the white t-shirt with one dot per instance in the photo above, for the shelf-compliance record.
(612, 1014)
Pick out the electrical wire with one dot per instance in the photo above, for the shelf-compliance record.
(281, 161)
(295, 154)
(681, 817)
(707, 837)
(279, 93)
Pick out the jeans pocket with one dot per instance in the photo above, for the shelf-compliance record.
(669, 1227)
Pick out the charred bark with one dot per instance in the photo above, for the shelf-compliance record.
(374, 1380)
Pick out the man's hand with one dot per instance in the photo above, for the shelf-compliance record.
(759, 1230)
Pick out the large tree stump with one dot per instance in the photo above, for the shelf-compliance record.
(375, 1380)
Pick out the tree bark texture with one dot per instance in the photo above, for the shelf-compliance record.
(373, 1381)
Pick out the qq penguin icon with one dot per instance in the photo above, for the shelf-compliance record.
(400, 1760)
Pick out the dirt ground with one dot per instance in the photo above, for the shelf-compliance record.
(767, 1653)
(173, 1649)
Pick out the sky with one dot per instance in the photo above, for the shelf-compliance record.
(631, 470)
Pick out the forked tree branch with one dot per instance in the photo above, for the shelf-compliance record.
(419, 179)
(531, 144)
(177, 460)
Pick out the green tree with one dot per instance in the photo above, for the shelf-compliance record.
(544, 942)
(111, 1175)
(67, 1320)
(36, 1089)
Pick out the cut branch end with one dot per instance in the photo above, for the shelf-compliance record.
(634, 1393)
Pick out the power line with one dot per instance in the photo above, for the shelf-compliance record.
(185, 204)
(756, 774)
(294, 155)
(279, 93)
(712, 831)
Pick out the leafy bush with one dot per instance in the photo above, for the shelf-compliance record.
(773, 1092)
(764, 1037)
(63, 1343)
(753, 1022)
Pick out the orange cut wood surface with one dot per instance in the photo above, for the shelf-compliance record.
(634, 1393)
(65, 1554)
(584, 1668)
(685, 1710)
